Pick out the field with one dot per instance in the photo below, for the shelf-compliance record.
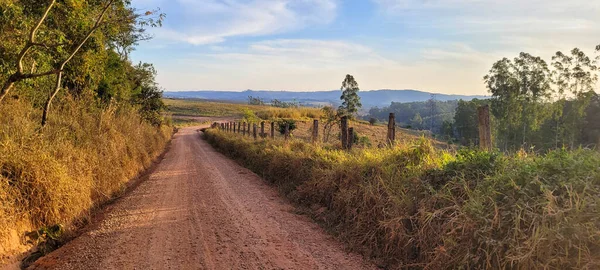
(193, 112)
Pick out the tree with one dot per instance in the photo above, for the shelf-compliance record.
(372, 121)
(417, 121)
(330, 118)
(466, 122)
(574, 74)
(61, 33)
(519, 90)
(350, 99)
(255, 101)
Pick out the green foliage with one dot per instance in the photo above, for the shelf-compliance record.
(250, 116)
(100, 67)
(372, 121)
(350, 99)
(534, 106)
(405, 113)
(414, 205)
(281, 124)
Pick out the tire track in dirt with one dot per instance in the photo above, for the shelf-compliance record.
(200, 210)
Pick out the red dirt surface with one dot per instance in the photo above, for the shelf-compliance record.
(201, 210)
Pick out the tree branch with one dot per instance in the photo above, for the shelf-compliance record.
(62, 66)
(35, 75)
(12, 79)
(32, 34)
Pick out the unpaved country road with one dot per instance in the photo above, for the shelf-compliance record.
(200, 210)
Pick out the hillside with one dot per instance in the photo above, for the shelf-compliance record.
(369, 99)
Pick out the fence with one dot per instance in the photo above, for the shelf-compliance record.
(347, 133)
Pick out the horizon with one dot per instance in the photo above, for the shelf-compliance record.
(332, 90)
(442, 46)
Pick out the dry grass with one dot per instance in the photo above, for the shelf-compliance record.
(188, 107)
(414, 206)
(81, 158)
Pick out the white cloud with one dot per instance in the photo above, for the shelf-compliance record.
(214, 21)
(304, 64)
(505, 23)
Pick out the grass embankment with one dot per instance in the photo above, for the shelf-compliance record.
(418, 207)
(80, 159)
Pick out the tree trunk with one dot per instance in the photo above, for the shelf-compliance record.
(50, 98)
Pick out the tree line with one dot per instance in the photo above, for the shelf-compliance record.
(537, 104)
(78, 48)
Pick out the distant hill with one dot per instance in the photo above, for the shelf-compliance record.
(369, 99)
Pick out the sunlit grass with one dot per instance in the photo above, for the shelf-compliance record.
(80, 159)
(415, 205)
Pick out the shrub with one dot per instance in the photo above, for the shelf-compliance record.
(372, 121)
(282, 124)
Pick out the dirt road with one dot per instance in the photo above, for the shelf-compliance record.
(200, 210)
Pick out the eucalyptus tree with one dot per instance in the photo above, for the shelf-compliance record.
(575, 76)
(350, 98)
(520, 89)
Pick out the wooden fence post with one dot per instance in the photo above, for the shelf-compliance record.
(391, 136)
(222, 126)
(272, 130)
(244, 130)
(344, 131)
(254, 131)
(350, 138)
(315, 135)
(287, 131)
(262, 130)
(485, 130)
(234, 126)
(239, 127)
(249, 126)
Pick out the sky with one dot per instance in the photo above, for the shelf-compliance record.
(442, 46)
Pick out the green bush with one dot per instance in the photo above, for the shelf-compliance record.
(283, 122)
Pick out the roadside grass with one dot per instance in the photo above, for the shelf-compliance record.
(419, 207)
(82, 158)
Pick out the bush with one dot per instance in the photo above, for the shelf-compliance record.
(372, 121)
(282, 124)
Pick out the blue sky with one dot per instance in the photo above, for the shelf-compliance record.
(443, 46)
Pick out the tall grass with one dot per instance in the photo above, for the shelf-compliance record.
(81, 158)
(413, 206)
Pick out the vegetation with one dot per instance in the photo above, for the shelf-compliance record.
(282, 104)
(415, 206)
(181, 107)
(350, 99)
(283, 123)
(417, 115)
(105, 125)
(255, 101)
